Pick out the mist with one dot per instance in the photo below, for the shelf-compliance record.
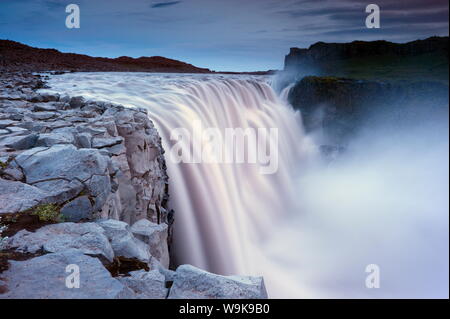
(384, 201)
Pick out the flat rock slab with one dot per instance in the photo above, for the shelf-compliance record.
(89, 238)
(45, 277)
(16, 196)
(193, 283)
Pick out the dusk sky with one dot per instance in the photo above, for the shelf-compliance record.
(226, 35)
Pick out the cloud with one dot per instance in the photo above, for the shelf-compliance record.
(164, 4)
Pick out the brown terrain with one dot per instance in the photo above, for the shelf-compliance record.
(15, 56)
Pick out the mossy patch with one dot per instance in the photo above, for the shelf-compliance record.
(3, 165)
(31, 219)
(48, 213)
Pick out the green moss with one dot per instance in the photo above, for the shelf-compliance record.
(47, 213)
(3, 165)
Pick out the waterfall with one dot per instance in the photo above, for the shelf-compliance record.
(223, 211)
(310, 230)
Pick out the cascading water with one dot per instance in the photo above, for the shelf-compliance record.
(309, 230)
(224, 212)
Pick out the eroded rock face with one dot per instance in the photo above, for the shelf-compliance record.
(92, 159)
(193, 283)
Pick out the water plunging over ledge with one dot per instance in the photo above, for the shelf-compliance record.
(309, 231)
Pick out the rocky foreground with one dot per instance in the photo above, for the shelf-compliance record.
(83, 187)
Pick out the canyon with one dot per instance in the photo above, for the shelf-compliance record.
(86, 176)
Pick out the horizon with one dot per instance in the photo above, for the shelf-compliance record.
(214, 35)
(217, 71)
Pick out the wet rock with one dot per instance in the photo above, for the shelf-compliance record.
(193, 283)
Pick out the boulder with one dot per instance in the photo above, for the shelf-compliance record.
(46, 277)
(123, 242)
(155, 236)
(146, 284)
(193, 283)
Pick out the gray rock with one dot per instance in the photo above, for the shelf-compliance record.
(6, 123)
(45, 277)
(43, 115)
(16, 129)
(83, 140)
(89, 238)
(16, 196)
(146, 285)
(155, 236)
(78, 209)
(50, 139)
(14, 173)
(99, 187)
(60, 190)
(44, 107)
(21, 142)
(76, 102)
(193, 283)
(99, 142)
(123, 242)
(63, 162)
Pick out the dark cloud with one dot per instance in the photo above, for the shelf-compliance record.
(165, 4)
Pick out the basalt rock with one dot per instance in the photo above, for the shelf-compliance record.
(101, 159)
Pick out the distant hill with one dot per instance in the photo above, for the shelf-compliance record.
(15, 56)
(375, 60)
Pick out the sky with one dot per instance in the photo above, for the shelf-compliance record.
(223, 35)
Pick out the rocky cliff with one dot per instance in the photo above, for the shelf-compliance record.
(84, 183)
(358, 58)
(340, 87)
(339, 107)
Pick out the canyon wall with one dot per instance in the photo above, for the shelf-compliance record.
(340, 87)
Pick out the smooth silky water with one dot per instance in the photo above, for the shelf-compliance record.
(309, 229)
